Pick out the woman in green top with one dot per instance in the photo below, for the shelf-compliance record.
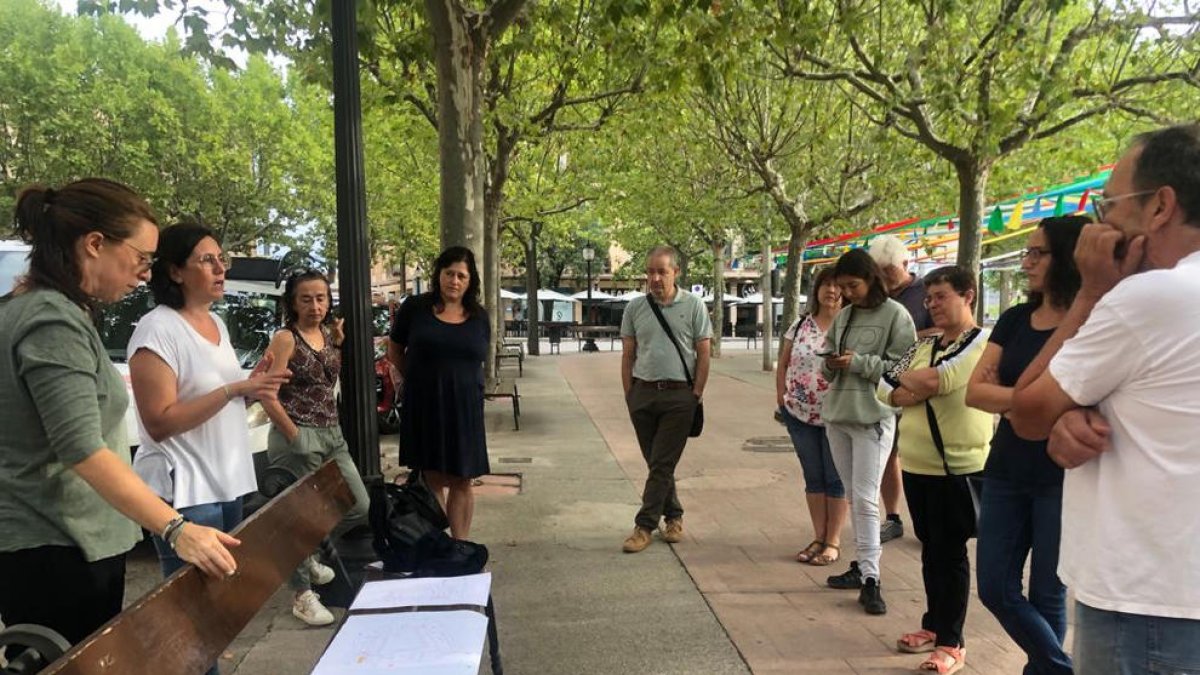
(942, 444)
(70, 504)
(867, 337)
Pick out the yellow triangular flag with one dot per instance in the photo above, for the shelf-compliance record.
(1014, 220)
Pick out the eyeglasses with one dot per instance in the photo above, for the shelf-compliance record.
(1034, 254)
(1100, 203)
(938, 298)
(145, 258)
(214, 259)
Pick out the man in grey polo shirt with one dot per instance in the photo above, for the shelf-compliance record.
(661, 404)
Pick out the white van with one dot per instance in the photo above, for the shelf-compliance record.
(250, 310)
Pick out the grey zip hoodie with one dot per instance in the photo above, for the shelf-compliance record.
(878, 337)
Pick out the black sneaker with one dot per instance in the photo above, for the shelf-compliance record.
(889, 530)
(871, 598)
(850, 579)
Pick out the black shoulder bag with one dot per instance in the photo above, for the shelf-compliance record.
(974, 483)
(698, 416)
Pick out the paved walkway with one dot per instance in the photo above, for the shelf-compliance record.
(745, 519)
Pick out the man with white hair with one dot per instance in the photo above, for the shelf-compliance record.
(890, 253)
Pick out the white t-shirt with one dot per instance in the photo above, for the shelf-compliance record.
(212, 462)
(1131, 517)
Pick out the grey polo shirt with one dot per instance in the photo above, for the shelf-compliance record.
(656, 356)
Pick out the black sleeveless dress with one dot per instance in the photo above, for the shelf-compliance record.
(441, 422)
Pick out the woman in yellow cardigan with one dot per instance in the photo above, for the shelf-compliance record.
(942, 444)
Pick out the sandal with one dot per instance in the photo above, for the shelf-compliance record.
(826, 558)
(945, 660)
(809, 552)
(917, 643)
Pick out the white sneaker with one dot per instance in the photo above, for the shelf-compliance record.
(318, 574)
(308, 608)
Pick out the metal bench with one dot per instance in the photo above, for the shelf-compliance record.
(507, 389)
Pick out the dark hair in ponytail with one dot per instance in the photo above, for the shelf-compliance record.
(52, 221)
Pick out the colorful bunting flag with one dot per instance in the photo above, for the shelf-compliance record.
(1083, 200)
(1014, 220)
(1059, 206)
(996, 222)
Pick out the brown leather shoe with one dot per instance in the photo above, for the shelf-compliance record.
(672, 531)
(638, 541)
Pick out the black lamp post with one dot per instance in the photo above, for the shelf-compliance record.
(588, 254)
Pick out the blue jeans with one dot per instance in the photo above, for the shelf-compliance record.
(223, 516)
(1017, 518)
(812, 447)
(1115, 643)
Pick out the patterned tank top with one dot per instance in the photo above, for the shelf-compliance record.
(308, 398)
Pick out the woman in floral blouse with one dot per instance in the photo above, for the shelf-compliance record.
(799, 388)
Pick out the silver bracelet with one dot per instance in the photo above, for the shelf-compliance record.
(172, 525)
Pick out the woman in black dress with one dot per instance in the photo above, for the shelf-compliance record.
(439, 342)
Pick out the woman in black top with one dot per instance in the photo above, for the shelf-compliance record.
(439, 343)
(1021, 506)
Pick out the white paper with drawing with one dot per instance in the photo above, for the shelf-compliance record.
(430, 643)
(425, 592)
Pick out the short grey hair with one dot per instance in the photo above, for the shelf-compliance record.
(664, 250)
(887, 250)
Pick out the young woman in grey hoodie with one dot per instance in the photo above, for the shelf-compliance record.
(867, 337)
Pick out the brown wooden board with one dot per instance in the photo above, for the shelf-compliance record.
(184, 624)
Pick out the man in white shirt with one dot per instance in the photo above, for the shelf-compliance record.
(1116, 391)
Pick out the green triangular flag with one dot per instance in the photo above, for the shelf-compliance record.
(996, 222)
(1059, 206)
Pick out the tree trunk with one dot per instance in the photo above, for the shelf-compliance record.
(532, 310)
(403, 273)
(493, 204)
(491, 283)
(972, 186)
(459, 48)
(718, 291)
(768, 307)
(684, 259)
(793, 286)
(1006, 288)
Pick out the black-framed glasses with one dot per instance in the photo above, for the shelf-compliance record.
(1101, 204)
(145, 258)
(211, 260)
(938, 298)
(1034, 254)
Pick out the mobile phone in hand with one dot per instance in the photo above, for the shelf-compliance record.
(827, 355)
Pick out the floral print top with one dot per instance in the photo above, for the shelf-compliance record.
(805, 384)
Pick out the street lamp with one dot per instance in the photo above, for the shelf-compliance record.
(589, 253)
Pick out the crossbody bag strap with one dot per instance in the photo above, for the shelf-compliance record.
(662, 320)
(934, 431)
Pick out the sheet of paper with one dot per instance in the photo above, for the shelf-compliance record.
(430, 643)
(424, 592)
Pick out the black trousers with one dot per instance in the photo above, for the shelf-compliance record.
(662, 419)
(54, 586)
(943, 517)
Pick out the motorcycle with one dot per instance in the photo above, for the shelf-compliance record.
(388, 388)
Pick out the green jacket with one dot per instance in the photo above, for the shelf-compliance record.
(878, 337)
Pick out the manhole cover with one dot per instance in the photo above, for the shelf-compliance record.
(768, 444)
(515, 460)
